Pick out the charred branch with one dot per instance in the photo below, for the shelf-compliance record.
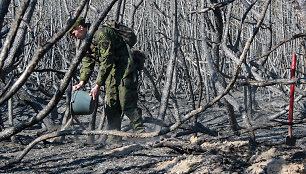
(296, 81)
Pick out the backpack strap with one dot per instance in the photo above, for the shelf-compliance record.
(130, 54)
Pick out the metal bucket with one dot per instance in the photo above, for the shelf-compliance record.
(82, 103)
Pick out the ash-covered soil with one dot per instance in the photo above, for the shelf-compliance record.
(219, 157)
(191, 153)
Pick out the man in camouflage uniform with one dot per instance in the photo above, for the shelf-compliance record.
(117, 72)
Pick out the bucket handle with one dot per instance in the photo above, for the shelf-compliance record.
(74, 96)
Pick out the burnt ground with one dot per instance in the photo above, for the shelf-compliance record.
(191, 153)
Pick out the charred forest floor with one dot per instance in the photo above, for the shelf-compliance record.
(171, 153)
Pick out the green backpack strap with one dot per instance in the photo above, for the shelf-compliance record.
(130, 54)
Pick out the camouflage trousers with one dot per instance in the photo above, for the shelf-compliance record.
(120, 100)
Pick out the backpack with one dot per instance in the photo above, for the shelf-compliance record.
(125, 32)
(138, 58)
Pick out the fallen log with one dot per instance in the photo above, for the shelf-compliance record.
(295, 81)
(243, 131)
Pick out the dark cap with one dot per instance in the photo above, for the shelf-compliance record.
(79, 21)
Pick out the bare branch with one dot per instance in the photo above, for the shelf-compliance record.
(50, 70)
(10, 39)
(278, 45)
(213, 7)
(132, 15)
(295, 81)
(170, 68)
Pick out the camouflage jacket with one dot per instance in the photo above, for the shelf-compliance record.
(110, 51)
